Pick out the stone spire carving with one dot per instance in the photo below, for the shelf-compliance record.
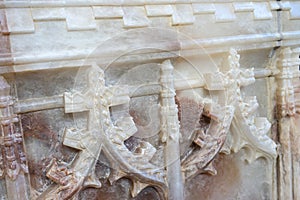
(287, 62)
(288, 66)
(170, 131)
(13, 163)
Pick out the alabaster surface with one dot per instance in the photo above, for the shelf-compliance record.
(149, 99)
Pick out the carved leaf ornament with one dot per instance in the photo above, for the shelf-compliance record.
(232, 126)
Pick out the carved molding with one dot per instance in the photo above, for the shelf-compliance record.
(287, 62)
(13, 162)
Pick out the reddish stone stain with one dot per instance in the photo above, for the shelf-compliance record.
(189, 111)
(135, 116)
(35, 126)
(227, 179)
(191, 120)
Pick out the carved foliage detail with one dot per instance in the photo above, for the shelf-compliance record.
(247, 130)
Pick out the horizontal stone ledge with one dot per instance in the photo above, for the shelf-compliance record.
(40, 4)
(153, 57)
(291, 35)
(202, 44)
(67, 3)
(54, 102)
(37, 104)
(290, 39)
(290, 43)
(83, 62)
(81, 55)
(230, 40)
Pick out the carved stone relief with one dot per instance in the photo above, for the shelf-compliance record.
(149, 100)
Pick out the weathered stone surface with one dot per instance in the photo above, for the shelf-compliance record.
(162, 99)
